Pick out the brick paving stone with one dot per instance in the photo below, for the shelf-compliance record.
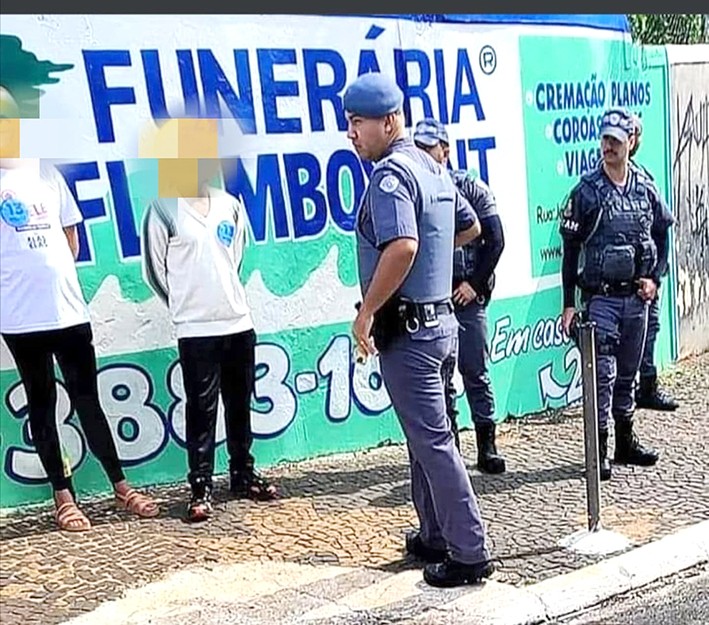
(353, 509)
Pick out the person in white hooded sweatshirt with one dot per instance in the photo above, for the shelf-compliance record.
(192, 253)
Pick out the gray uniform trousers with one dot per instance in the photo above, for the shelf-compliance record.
(473, 358)
(473, 364)
(441, 489)
(647, 366)
(621, 324)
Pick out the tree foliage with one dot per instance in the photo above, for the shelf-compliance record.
(669, 28)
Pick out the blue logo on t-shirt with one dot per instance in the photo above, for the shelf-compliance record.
(225, 232)
(14, 213)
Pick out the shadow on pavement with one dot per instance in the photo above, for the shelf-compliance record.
(313, 484)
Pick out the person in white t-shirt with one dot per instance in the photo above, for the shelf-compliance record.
(192, 252)
(43, 314)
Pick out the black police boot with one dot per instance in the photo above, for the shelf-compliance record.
(417, 548)
(450, 573)
(603, 455)
(628, 449)
(650, 396)
(489, 461)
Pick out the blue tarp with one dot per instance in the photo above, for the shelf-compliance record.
(615, 22)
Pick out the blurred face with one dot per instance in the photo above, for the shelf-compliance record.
(440, 152)
(370, 137)
(615, 152)
(9, 140)
(8, 104)
(209, 171)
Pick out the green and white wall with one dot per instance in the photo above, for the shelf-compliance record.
(522, 104)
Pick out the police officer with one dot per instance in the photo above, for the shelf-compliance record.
(614, 215)
(473, 280)
(405, 238)
(648, 394)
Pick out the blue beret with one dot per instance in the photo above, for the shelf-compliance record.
(430, 132)
(617, 123)
(373, 95)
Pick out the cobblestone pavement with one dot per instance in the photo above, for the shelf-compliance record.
(352, 510)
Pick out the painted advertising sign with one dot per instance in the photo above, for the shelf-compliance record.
(521, 107)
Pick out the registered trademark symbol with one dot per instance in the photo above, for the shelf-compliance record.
(488, 60)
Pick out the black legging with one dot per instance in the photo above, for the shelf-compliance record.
(33, 353)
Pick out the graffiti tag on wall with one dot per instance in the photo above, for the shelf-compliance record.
(690, 169)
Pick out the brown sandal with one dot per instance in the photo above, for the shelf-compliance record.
(67, 514)
(137, 503)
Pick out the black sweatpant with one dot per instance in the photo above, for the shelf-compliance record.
(212, 364)
(73, 347)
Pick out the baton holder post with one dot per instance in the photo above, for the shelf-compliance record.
(595, 540)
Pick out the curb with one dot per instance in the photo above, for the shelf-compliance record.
(227, 593)
(563, 595)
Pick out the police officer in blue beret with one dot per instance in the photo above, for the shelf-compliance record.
(616, 218)
(407, 221)
(473, 281)
(648, 394)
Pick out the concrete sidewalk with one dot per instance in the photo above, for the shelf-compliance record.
(339, 528)
(292, 594)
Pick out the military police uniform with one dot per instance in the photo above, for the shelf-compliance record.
(474, 263)
(410, 196)
(648, 394)
(614, 228)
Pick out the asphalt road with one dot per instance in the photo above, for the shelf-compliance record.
(680, 600)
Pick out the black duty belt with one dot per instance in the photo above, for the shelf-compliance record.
(418, 315)
(419, 309)
(617, 289)
(398, 317)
